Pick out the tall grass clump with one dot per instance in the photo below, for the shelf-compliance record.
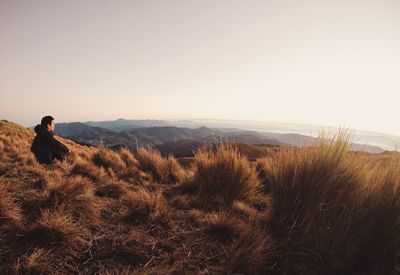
(132, 173)
(223, 176)
(162, 170)
(112, 190)
(304, 181)
(87, 169)
(222, 226)
(75, 195)
(325, 214)
(249, 255)
(58, 231)
(121, 164)
(136, 207)
(380, 250)
(127, 156)
(109, 160)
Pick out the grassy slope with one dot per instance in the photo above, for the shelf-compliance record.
(295, 211)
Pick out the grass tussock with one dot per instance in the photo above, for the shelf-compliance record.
(128, 157)
(143, 206)
(114, 190)
(223, 176)
(138, 206)
(245, 211)
(56, 230)
(249, 254)
(162, 170)
(86, 169)
(310, 182)
(222, 226)
(381, 242)
(76, 195)
(337, 207)
(121, 164)
(108, 160)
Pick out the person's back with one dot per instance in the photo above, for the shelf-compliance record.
(44, 146)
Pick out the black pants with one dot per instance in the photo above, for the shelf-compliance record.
(48, 156)
(60, 155)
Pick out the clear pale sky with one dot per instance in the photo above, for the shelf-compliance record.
(319, 62)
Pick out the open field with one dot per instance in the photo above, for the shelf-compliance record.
(316, 210)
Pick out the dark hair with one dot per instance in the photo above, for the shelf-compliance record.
(46, 120)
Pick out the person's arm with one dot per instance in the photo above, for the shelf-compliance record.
(54, 143)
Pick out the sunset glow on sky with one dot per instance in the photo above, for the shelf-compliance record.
(332, 63)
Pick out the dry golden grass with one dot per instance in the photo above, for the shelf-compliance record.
(75, 195)
(86, 169)
(338, 205)
(108, 160)
(223, 176)
(222, 226)
(56, 240)
(162, 170)
(39, 262)
(244, 210)
(136, 207)
(114, 190)
(316, 210)
(127, 156)
(10, 212)
(57, 230)
(249, 254)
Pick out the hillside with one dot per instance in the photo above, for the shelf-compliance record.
(314, 210)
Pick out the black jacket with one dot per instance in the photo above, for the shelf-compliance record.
(45, 147)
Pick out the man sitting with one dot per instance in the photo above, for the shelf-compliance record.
(45, 147)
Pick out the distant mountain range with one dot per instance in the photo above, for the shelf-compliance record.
(120, 125)
(178, 137)
(382, 140)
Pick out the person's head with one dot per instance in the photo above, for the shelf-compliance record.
(48, 123)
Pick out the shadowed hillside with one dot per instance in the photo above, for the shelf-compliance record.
(315, 210)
